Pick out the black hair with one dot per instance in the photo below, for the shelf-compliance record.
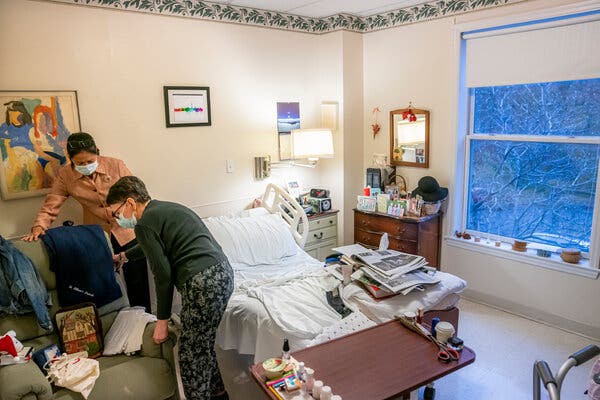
(14, 105)
(127, 186)
(79, 142)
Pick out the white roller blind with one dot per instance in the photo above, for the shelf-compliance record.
(534, 53)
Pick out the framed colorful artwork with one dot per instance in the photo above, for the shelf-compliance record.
(187, 106)
(33, 137)
(79, 329)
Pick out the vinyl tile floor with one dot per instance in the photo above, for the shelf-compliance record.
(506, 346)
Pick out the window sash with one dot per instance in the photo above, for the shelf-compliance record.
(593, 255)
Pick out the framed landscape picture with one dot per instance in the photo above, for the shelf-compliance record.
(187, 106)
(33, 137)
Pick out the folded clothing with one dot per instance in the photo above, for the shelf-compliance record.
(126, 333)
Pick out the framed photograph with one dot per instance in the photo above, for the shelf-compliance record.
(79, 329)
(33, 137)
(187, 106)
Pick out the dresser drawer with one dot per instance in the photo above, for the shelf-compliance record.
(320, 223)
(372, 239)
(380, 223)
(321, 235)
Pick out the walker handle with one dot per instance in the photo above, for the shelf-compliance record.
(545, 373)
(586, 354)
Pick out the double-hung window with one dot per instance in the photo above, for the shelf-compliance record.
(532, 143)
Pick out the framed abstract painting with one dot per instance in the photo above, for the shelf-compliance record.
(187, 106)
(33, 136)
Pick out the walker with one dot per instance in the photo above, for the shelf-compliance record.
(553, 384)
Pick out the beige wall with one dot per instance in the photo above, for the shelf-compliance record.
(119, 61)
(418, 63)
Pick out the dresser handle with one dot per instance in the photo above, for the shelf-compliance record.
(365, 222)
(319, 236)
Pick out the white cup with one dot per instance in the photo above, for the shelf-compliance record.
(325, 393)
(316, 390)
(346, 273)
(444, 331)
(336, 397)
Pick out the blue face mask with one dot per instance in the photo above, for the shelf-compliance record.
(127, 222)
(87, 169)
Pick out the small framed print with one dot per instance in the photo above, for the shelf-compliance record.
(187, 106)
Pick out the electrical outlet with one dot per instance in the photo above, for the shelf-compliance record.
(229, 166)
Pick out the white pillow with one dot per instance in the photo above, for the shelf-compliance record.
(261, 239)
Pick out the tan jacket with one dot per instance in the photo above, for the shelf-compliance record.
(91, 193)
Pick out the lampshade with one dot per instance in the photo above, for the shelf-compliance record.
(312, 143)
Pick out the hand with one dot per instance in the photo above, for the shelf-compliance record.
(36, 232)
(161, 331)
(119, 259)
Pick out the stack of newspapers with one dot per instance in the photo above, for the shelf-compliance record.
(388, 272)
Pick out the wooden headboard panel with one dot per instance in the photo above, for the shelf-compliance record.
(276, 200)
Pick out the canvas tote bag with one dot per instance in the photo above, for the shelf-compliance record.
(74, 371)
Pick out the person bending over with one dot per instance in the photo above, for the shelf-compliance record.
(182, 253)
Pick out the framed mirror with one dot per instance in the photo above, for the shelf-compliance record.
(409, 137)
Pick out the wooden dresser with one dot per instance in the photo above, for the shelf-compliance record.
(410, 235)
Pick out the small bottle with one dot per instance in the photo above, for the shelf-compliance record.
(326, 393)
(419, 315)
(336, 397)
(434, 322)
(301, 375)
(316, 391)
(286, 350)
(310, 379)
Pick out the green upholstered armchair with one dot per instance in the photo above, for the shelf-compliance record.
(148, 375)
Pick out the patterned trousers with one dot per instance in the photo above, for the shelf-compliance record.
(204, 298)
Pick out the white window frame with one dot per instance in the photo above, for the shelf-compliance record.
(590, 265)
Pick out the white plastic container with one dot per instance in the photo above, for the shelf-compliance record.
(316, 392)
(325, 393)
(444, 331)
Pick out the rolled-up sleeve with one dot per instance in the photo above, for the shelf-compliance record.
(52, 204)
(153, 247)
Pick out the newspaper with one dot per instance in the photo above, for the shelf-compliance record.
(404, 283)
(390, 262)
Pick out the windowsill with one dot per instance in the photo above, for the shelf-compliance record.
(554, 262)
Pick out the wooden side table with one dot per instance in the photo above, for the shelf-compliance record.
(378, 363)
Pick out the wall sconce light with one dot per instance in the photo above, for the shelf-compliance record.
(306, 144)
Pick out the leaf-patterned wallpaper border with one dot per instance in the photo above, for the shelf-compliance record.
(206, 10)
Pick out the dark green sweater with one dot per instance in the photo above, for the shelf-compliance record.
(177, 245)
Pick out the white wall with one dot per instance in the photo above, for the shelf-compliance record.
(416, 63)
(119, 61)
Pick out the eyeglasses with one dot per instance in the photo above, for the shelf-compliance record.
(115, 213)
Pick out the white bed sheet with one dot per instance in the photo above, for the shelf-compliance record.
(250, 328)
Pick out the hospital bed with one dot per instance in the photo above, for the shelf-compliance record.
(280, 289)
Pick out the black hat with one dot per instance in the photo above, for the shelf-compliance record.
(429, 189)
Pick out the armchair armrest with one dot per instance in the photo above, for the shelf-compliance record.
(163, 350)
(24, 381)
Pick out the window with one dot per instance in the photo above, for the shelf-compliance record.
(538, 186)
(532, 133)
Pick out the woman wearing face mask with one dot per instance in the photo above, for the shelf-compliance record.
(182, 254)
(87, 179)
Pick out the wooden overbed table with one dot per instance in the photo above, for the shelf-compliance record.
(378, 363)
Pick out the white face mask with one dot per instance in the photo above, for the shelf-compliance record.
(87, 169)
(127, 222)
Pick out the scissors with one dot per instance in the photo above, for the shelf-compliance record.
(446, 354)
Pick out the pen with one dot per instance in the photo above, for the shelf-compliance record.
(277, 395)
